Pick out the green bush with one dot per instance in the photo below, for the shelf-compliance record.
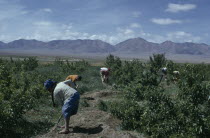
(22, 92)
(147, 108)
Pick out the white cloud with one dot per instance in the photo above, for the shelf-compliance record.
(43, 23)
(41, 26)
(178, 36)
(47, 10)
(136, 14)
(180, 7)
(135, 25)
(31, 27)
(47, 31)
(165, 21)
(10, 10)
(181, 36)
(206, 34)
(128, 31)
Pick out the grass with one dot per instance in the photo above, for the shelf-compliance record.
(90, 80)
(37, 121)
(171, 88)
(102, 105)
(44, 116)
(83, 103)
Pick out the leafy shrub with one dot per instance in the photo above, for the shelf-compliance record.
(22, 91)
(157, 61)
(147, 108)
(79, 66)
(14, 101)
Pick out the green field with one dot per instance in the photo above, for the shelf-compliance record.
(143, 102)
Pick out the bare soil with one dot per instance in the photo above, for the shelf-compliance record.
(91, 122)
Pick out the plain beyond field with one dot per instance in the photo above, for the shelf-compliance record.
(98, 59)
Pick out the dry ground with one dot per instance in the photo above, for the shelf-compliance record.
(91, 122)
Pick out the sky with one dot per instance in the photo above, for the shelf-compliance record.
(112, 21)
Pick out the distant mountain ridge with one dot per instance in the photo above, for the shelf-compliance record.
(130, 46)
(78, 46)
(136, 45)
(139, 45)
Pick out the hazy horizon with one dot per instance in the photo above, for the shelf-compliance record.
(101, 40)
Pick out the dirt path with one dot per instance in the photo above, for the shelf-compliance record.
(93, 123)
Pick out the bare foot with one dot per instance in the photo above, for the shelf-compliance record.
(61, 126)
(63, 131)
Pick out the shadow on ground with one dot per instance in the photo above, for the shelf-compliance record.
(94, 130)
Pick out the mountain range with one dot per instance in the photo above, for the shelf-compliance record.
(130, 46)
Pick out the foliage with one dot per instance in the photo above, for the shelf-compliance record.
(147, 108)
(79, 66)
(22, 91)
(157, 61)
(15, 98)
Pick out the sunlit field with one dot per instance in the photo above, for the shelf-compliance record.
(136, 94)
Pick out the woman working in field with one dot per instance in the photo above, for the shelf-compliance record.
(105, 72)
(74, 78)
(65, 96)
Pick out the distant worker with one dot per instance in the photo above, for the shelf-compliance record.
(176, 72)
(176, 75)
(164, 70)
(105, 72)
(74, 78)
(163, 73)
(65, 96)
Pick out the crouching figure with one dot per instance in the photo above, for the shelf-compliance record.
(176, 75)
(66, 96)
(105, 72)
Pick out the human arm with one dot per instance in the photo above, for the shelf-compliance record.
(70, 83)
(68, 78)
(52, 95)
(76, 86)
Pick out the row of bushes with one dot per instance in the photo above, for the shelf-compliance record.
(21, 89)
(147, 108)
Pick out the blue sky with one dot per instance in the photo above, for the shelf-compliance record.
(112, 21)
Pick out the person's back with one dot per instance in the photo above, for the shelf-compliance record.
(176, 72)
(104, 74)
(164, 70)
(175, 75)
(104, 69)
(62, 91)
(73, 78)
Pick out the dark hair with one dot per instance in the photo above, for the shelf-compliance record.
(49, 83)
(79, 78)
